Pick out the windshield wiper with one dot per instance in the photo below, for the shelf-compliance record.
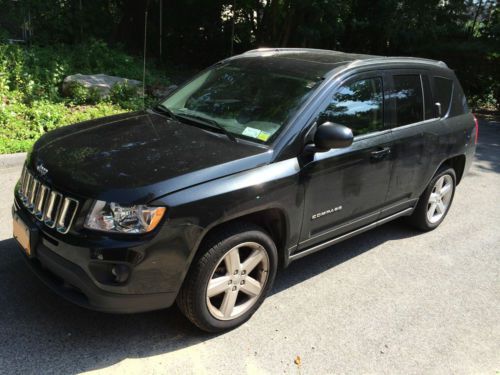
(166, 110)
(207, 121)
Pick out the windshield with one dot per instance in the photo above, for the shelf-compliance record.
(249, 98)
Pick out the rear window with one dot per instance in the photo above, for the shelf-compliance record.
(443, 90)
(459, 102)
(409, 100)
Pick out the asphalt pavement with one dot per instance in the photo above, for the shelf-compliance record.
(392, 300)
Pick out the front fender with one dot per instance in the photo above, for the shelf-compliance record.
(200, 208)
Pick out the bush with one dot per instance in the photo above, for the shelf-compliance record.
(22, 125)
(79, 94)
(30, 80)
(126, 96)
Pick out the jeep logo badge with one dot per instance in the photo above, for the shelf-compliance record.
(41, 169)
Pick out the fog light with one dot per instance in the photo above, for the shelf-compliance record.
(121, 273)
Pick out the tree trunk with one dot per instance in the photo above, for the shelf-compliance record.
(478, 10)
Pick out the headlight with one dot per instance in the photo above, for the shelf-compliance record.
(112, 217)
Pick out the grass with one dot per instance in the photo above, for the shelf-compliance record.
(31, 102)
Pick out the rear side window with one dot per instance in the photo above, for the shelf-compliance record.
(409, 101)
(357, 105)
(443, 88)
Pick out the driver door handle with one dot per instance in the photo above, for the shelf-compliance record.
(380, 153)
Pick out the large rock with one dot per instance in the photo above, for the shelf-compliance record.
(102, 83)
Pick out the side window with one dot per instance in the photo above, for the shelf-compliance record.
(443, 88)
(409, 101)
(357, 105)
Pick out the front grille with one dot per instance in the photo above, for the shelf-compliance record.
(49, 206)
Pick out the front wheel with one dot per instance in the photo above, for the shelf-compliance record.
(435, 202)
(231, 278)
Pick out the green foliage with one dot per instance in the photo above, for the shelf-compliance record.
(126, 96)
(21, 125)
(80, 94)
(96, 56)
(30, 79)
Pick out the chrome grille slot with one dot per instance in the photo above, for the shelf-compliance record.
(22, 183)
(40, 200)
(27, 188)
(52, 207)
(32, 196)
(49, 206)
(66, 215)
(24, 186)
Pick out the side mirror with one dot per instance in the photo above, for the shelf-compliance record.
(329, 135)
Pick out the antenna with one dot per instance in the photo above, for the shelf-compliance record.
(144, 65)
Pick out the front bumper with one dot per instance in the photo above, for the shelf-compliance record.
(68, 268)
(72, 283)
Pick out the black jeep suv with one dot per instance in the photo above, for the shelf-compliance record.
(257, 161)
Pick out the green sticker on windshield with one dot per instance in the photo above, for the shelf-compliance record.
(263, 136)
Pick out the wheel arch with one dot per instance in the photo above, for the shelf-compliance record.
(273, 220)
(457, 163)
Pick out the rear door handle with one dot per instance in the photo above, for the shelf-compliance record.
(381, 153)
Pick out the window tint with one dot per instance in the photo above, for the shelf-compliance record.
(443, 90)
(357, 105)
(409, 101)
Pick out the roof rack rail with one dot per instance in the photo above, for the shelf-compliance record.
(367, 60)
(396, 59)
(280, 49)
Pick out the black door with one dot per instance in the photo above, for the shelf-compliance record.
(346, 188)
(415, 137)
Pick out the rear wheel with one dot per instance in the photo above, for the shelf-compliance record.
(435, 202)
(231, 279)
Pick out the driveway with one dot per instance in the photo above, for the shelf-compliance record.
(392, 300)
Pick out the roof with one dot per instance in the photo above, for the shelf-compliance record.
(324, 61)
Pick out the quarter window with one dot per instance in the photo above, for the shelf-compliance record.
(443, 87)
(409, 101)
(357, 105)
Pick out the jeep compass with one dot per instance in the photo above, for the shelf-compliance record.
(257, 161)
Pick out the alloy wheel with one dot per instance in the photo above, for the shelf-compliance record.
(440, 198)
(237, 281)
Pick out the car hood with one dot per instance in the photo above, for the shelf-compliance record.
(137, 157)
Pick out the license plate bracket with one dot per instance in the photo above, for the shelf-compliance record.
(25, 235)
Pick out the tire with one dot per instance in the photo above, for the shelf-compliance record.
(421, 217)
(209, 308)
